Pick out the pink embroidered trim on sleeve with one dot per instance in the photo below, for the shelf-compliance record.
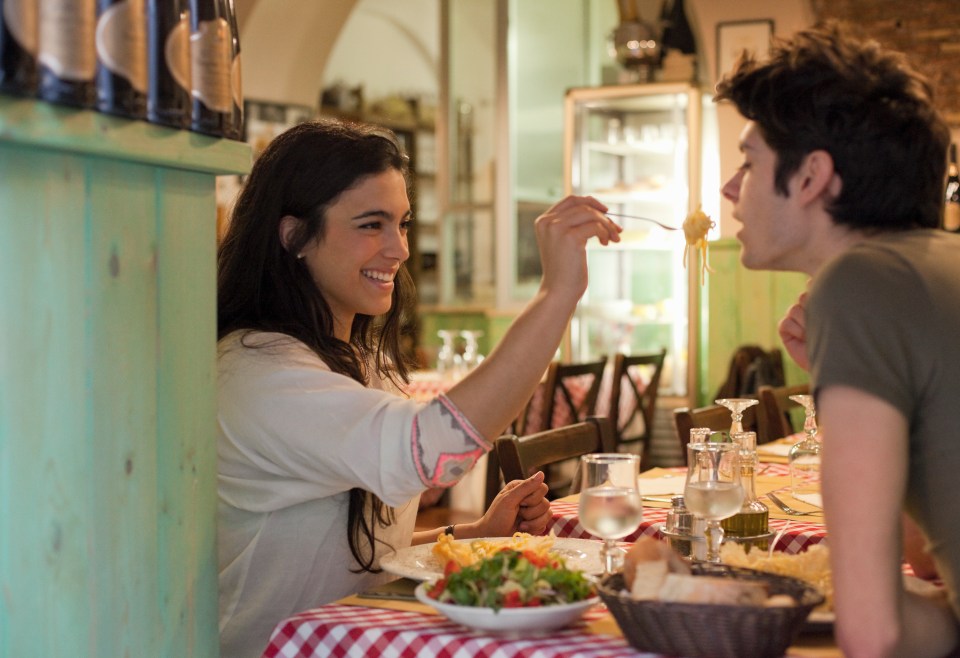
(445, 445)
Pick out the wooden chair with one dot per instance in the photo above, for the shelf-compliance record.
(642, 402)
(774, 411)
(563, 384)
(715, 416)
(521, 456)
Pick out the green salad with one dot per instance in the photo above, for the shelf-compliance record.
(511, 579)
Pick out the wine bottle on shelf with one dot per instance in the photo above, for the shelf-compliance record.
(211, 110)
(235, 130)
(121, 40)
(66, 53)
(951, 207)
(168, 63)
(18, 47)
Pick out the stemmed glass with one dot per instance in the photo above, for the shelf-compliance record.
(447, 356)
(804, 456)
(737, 406)
(610, 506)
(713, 490)
(471, 350)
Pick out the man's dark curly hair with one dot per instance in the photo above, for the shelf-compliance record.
(866, 107)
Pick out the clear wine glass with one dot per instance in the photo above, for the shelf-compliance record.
(713, 489)
(737, 406)
(804, 456)
(471, 350)
(610, 505)
(447, 356)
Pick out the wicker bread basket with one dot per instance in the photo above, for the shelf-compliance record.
(699, 630)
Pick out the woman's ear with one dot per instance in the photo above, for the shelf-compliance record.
(289, 225)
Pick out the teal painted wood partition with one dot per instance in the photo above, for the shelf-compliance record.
(107, 384)
(740, 307)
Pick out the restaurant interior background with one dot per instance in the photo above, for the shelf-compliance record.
(108, 491)
(477, 88)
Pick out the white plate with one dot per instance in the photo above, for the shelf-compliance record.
(541, 618)
(417, 562)
(820, 621)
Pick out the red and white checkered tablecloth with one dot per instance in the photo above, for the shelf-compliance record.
(343, 631)
(798, 536)
(565, 521)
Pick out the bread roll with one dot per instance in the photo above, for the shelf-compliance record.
(646, 565)
(683, 588)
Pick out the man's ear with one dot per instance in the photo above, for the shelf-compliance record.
(816, 178)
(288, 231)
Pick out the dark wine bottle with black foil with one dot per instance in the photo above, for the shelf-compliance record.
(211, 110)
(18, 47)
(951, 207)
(168, 63)
(66, 53)
(121, 40)
(236, 87)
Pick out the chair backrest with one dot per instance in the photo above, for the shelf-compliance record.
(714, 416)
(521, 456)
(630, 398)
(569, 394)
(751, 367)
(774, 410)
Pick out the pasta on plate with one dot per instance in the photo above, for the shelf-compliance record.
(467, 553)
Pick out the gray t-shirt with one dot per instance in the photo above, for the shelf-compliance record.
(884, 318)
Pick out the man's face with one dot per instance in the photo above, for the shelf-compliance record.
(771, 236)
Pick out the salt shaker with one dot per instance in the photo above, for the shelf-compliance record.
(679, 526)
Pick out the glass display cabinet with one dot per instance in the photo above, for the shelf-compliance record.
(636, 148)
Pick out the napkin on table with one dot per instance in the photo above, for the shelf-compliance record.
(814, 499)
(661, 486)
(775, 449)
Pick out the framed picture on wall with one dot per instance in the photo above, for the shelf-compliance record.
(734, 37)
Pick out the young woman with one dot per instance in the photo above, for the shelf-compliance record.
(321, 459)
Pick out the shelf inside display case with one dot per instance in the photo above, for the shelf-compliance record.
(636, 149)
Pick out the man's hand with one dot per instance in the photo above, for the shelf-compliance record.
(793, 332)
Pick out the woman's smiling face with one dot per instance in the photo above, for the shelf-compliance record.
(363, 244)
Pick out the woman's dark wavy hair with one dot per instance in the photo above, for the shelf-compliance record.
(874, 115)
(262, 286)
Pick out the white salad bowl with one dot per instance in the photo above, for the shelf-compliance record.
(540, 618)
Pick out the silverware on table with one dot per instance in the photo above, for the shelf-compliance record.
(644, 219)
(666, 498)
(787, 509)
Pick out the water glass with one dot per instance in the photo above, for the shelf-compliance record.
(610, 505)
(713, 489)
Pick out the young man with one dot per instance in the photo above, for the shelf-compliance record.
(842, 178)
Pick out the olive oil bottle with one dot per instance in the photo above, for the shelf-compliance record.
(753, 519)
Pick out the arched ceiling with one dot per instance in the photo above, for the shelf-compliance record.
(274, 33)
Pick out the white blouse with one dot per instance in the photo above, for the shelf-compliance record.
(293, 438)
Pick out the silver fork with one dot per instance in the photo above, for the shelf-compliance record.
(787, 509)
(643, 219)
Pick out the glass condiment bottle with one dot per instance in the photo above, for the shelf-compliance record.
(753, 520)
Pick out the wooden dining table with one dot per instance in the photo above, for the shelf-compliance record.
(361, 627)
